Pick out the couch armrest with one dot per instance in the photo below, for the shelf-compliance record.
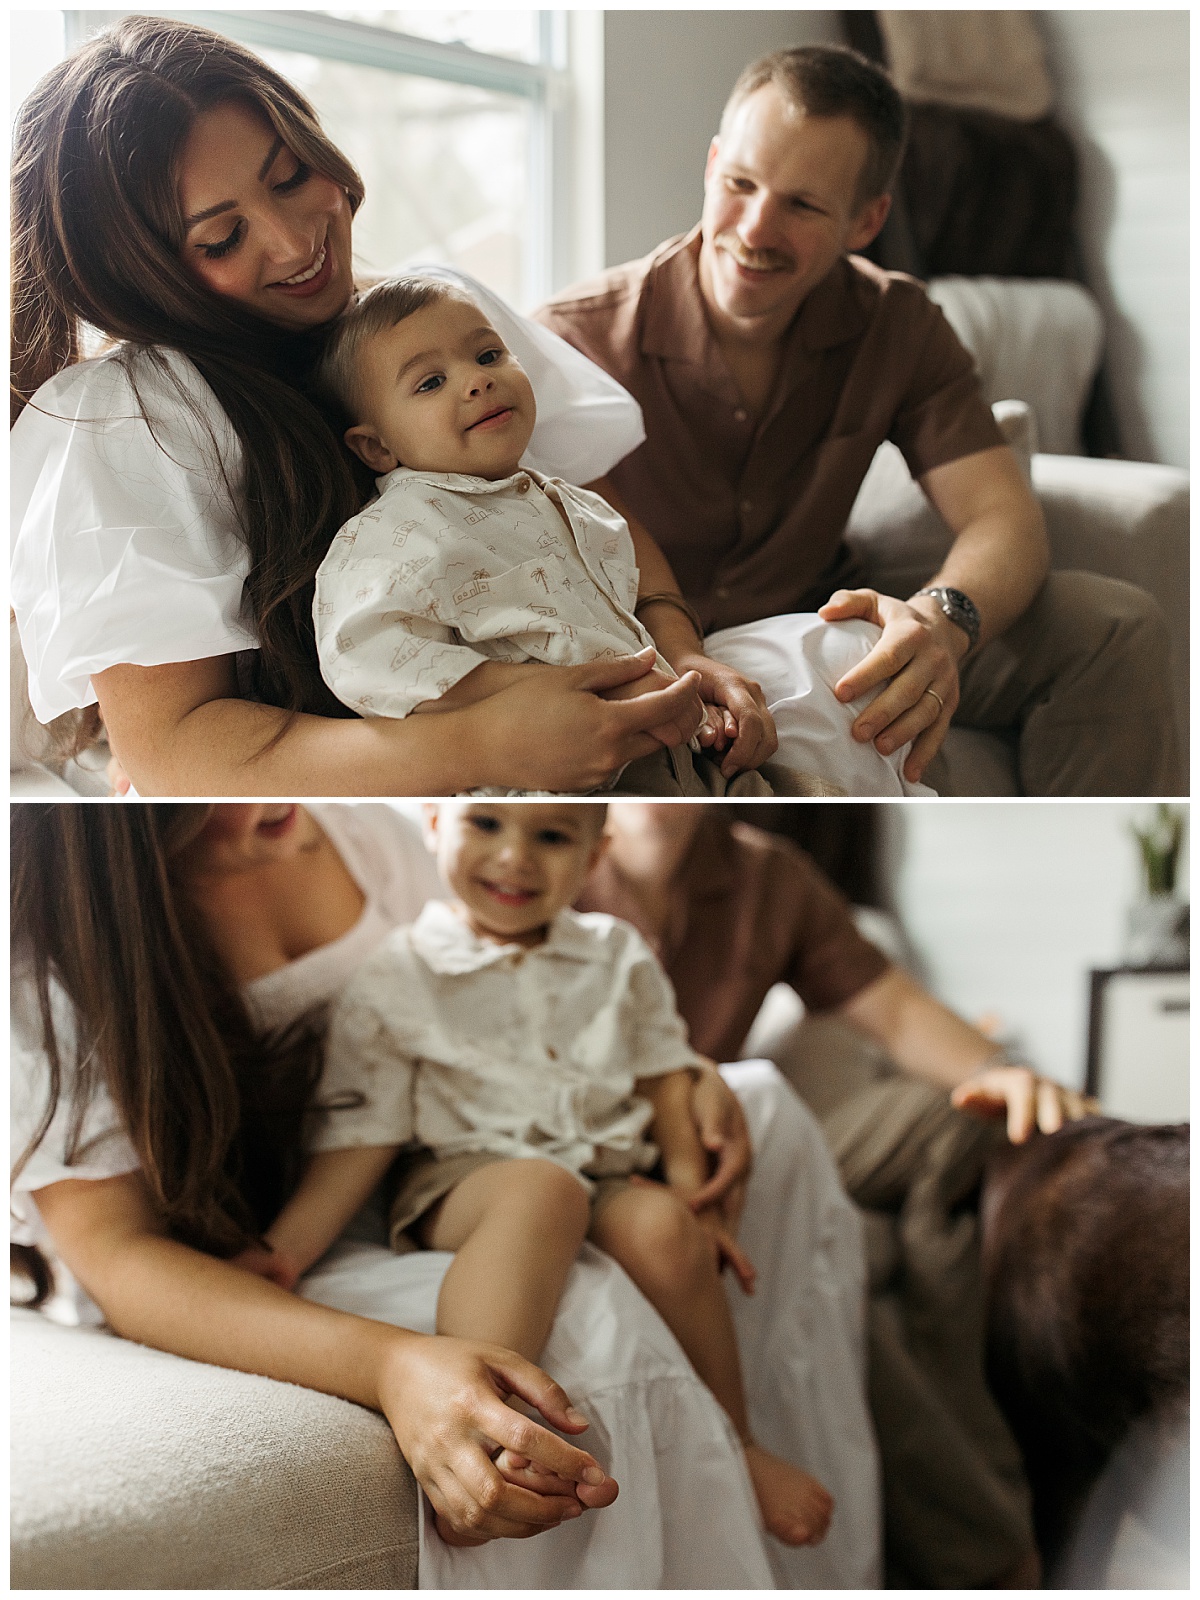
(132, 1469)
(1129, 520)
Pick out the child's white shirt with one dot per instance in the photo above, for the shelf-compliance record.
(445, 571)
(462, 1045)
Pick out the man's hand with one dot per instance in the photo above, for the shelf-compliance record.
(1023, 1099)
(741, 725)
(919, 653)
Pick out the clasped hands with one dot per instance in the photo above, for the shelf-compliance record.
(727, 715)
(919, 652)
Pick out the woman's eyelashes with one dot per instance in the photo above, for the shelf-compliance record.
(214, 252)
(301, 176)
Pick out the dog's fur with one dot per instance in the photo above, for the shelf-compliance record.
(1085, 1254)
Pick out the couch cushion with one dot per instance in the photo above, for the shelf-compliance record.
(1036, 340)
(132, 1469)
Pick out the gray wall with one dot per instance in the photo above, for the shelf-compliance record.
(666, 76)
(1009, 906)
(1123, 82)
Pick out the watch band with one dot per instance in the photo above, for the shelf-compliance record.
(959, 608)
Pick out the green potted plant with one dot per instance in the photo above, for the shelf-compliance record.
(1158, 919)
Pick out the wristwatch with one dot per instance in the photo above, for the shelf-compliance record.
(961, 610)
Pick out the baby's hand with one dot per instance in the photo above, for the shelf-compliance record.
(718, 730)
(270, 1264)
(729, 1252)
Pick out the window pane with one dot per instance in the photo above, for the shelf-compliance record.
(446, 168)
(497, 33)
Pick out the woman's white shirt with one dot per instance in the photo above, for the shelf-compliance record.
(125, 540)
(125, 535)
(384, 854)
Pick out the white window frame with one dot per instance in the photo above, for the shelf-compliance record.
(564, 88)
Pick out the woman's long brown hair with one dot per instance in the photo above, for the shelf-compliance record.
(213, 1108)
(97, 235)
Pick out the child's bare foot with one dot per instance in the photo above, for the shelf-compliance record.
(795, 1507)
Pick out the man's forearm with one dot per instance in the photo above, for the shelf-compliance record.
(921, 1035)
(1000, 555)
(1000, 568)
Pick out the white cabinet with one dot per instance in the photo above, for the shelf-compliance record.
(1138, 1044)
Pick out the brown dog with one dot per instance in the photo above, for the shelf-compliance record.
(1085, 1256)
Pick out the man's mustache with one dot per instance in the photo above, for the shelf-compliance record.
(756, 260)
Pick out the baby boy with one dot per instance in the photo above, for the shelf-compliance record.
(467, 568)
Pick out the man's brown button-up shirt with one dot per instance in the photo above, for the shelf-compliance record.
(750, 515)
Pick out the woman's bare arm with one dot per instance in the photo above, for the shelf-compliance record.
(442, 1397)
(180, 729)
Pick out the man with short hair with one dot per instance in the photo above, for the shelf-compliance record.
(770, 363)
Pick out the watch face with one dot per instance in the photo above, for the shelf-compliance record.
(959, 607)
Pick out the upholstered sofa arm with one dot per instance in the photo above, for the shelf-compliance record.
(131, 1469)
(1126, 519)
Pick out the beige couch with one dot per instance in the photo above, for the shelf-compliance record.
(131, 1469)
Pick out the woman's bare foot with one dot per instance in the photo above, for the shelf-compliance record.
(795, 1507)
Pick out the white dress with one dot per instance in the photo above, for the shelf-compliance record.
(125, 545)
(685, 1517)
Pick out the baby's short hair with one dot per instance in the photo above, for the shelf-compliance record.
(379, 308)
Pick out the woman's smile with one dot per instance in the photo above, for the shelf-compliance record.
(263, 227)
(312, 279)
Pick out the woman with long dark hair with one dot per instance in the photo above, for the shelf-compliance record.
(171, 966)
(176, 495)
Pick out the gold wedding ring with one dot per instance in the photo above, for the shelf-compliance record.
(937, 697)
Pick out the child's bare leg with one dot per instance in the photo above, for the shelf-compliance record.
(671, 1258)
(515, 1228)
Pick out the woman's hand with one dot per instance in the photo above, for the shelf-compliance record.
(1023, 1099)
(655, 680)
(554, 731)
(721, 1125)
(445, 1400)
(180, 729)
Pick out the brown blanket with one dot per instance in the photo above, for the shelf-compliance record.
(956, 1504)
